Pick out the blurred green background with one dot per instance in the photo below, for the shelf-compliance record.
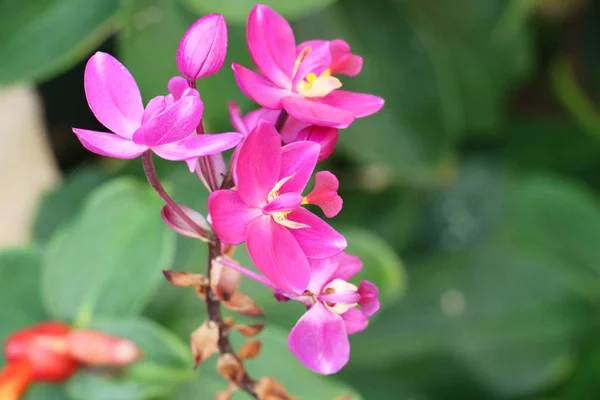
(472, 198)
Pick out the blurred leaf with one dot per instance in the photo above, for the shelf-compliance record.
(443, 67)
(584, 383)
(39, 38)
(166, 363)
(148, 45)
(275, 360)
(61, 205)
(46, 391)
(236, 11)
(508, 302)
(19, 296)
(109, 261)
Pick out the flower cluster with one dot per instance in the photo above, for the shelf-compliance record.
(53, 352)
(259, 198)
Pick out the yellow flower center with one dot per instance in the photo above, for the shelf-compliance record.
(318, 86)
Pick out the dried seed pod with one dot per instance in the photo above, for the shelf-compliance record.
(204, 341)
(268, 388)
(249, 350)
(224, 281)
(185, 279)
(249, 330)
(230, 368)
(243, 304)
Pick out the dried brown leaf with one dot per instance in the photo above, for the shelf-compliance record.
(230, 368)
(249, 330)
(228, 323)
(269, 389)
(204, 341)
(224, 281)
(185, 279)
(243, 304)
(249, 350)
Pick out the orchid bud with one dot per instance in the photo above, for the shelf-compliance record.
(326, 137)
(203, 47)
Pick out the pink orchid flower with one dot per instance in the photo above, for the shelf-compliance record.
(320, 338)
(292, 130)
(166, 126)
(265, 211)
(299, 79)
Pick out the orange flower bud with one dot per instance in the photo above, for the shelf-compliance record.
(14, 379)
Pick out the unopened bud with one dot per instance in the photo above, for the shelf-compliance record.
(230, 368)
(99, 349)
(184, 279)
(241, 303)
(205, 341)
(326, 137)
(203, 47)
(183, 227)
(249, 350)
(250, 330)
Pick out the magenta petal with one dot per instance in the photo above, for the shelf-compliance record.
(251, 119)
(179, 225)
(235, 116)
(325, 195)
(320, 341)
(195, 146)
(359, 104)
(349, 266)
(277, 255)
(343, 61)
(109, 144)
(324, 136)
(319, 240)
(316, 61)
(348, 297)
(355, 321)
(113, 95)
(271, 45)
(203, 47)
(258, 164)
(258, 88)
(284, 203)
(317, 113)
(298, 159)
(369, 303)
(176, 122)
(155, 106)
(230, 216)
(177, 87)
(322, 272)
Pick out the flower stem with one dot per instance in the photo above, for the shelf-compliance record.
(152, 177)
(213, 306)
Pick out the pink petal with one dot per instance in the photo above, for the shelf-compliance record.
(203, 47)
(113, 95)
(349, 266)
(179, 225)
(325, 194)
(318, 241)
(316, 61)
(369, 303)
(195, 146)
(298, 159)
(258, 88)
(235, 116)
(324, 136)
(271, 45)
(348, 297)
(283, 203)
(177, 87)
(291, 129)
(217, 165)
(155, 106)
(251, 119)
(317, 113)
(176, 122)
(355, 321)
(258, 164)
(359, 104)
(109, 144)
(230, 216)
(322, 271)
(343, 61)
(277, 255)
(319, 340)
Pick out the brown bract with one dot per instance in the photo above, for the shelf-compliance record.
(224, 281)
(249, 350)
(249, 330)
(268, 388)
(205, 341)
(230, 368)
(185, 279)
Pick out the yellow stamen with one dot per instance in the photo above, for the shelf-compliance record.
(318, 86)
(303, 53)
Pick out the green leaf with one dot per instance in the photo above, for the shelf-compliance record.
(153, 31)
(166, 363)
(110, 260)
(275, 360)
(443, 68)
(39, 38)
(236, 11)
(19, 296)
(60, 206)
(46, 391)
